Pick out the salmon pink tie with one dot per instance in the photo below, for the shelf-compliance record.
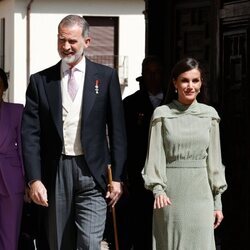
(72, 84)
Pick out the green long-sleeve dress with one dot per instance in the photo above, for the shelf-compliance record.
(184, 162)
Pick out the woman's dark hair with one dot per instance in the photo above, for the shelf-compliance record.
(180, 67)
(4, 79)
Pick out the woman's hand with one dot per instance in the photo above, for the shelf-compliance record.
(218, 217)
(161, 201)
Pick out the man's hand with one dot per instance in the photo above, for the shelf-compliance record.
(114, 193)
(38, 193)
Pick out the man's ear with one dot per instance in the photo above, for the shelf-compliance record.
(87, 41)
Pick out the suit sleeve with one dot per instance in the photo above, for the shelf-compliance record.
(30, 133)
(116, 128)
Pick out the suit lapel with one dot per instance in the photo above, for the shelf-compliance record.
(54, 95)
(89, 94)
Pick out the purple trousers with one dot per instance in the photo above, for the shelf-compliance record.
(10, 220)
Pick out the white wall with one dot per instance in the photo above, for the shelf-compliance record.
(20, 52)
(44, 18)
(6, 11)
(132, 43)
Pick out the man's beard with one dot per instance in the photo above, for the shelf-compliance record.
(72, 58)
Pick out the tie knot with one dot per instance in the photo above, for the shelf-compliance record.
(71, 71)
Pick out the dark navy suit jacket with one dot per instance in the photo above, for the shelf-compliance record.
(138, 111)
(102, 113)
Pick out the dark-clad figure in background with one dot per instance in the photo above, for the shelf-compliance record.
(138, 109)
(65, 146)
(12, 181)
(28, 231)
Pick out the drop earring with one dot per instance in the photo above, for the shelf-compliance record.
(175, 91)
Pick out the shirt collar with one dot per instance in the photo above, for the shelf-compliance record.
(157, 96)
(79, 67)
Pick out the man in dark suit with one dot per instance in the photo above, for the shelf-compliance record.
(138, 109)
(68, 141)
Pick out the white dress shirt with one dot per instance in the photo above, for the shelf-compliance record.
(72, 110)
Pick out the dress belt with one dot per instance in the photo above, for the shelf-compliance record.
(187, 164)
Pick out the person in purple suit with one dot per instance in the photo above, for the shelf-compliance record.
(12, 183)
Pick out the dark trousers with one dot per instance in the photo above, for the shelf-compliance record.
(141, 215)
(77, 208)
(134, 212)
(28, 232)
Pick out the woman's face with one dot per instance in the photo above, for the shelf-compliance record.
(188, 86)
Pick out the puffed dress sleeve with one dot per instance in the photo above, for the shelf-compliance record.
(215, 168)
(154, 172)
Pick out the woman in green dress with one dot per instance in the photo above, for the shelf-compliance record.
(183, 168)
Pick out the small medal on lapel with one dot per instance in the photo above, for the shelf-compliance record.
(97, 82)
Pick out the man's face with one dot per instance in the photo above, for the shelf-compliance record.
(71, 44)
(152, 76)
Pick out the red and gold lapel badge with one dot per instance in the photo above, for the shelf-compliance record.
(97, 82)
